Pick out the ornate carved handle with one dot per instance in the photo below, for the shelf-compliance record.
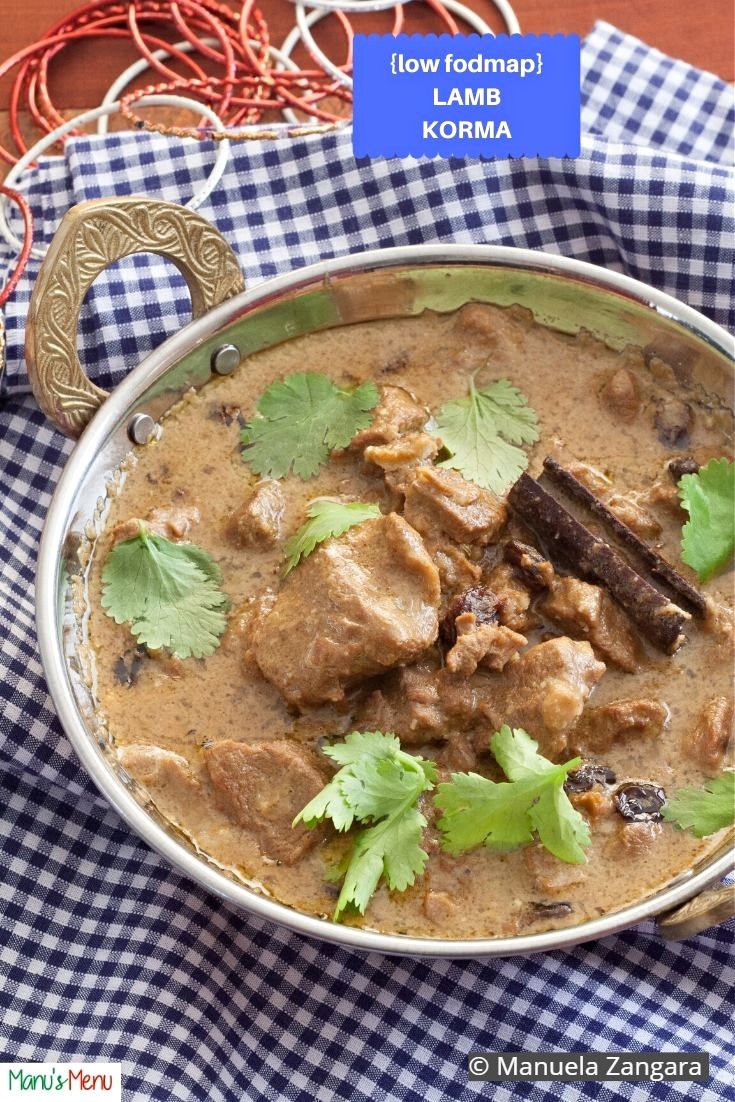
(704, 911)
(91, 236)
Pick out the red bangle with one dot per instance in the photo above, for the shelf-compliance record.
(25, 252)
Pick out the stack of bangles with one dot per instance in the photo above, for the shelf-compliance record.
(253, 81)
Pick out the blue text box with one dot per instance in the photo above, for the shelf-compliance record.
(466, 95)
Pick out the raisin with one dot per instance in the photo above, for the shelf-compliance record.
(640, 803)
(679, 467)
(584, 778)
(478, 600)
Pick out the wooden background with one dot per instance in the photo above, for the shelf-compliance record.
(700, 33)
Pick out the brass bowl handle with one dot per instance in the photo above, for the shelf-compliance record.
(701, 913)
(91, 236)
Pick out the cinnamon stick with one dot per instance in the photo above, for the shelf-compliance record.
(657, 618)
(655, 562)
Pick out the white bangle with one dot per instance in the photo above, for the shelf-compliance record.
(305, 21)
(223, 152)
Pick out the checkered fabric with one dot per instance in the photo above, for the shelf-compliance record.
(107, 954)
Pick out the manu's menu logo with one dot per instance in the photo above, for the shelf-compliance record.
(72, 1082)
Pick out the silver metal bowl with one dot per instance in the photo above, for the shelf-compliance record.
(564, 294)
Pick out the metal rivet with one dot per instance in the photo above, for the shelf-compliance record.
(225, 359)
(141, 428)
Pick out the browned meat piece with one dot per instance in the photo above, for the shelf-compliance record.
(631, 512)
(594, 804)
(535, 571)
(357, 606)
(441, 502)
(457, 755)
(514, 598)
(420, 704)
(406, 451)
(257, 523)
(550, 875)
(621, 395)
(544, 691)
(262, 786)
(173, 522)
(600, 728)
(708, 742)
(673, 420)
(595, 480)
(440, 907)
(586, 611)
(491, 645)
(719, 621)
(478, 600)
(160, 771)
(456, 571)
(397, 411)
(479, 319)
(637, 838)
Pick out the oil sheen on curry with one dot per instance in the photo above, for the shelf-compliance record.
(469, 597)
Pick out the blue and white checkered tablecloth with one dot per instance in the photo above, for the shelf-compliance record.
(107, 954)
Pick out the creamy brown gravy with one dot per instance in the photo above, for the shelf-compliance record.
(197, 461)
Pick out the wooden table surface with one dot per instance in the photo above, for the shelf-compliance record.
(699, 33)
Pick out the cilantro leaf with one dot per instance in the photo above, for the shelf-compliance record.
(708, 537)
(505, 814)
(378, 784)
(482, 432)
(704, 810)
(168, 592)
(326, 518)
(302, 418)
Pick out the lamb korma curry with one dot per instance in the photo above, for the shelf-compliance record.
(425, 624)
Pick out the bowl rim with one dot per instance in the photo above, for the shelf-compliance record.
(49, 625)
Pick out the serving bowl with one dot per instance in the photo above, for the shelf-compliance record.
(230, 324)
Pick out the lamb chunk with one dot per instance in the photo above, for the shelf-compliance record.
(257, 523)
(491, 645)
(161, 771)
(173, 522)
(719, 621)
(514, 598)
(600, 728)
(442, 503)
(262, 786)
(397, 412)
(627, 509)
(359, 605)
(550, 875)
(595, 480)
(673, 421)
(708, 742)
(586, 611)
(439, 907)
(544, 691)
(457, 755)
(406, 451)
(477, 600)
(421, 704)
(621, 395)
(535, 571)
(456, 571)
(479, 319)
(637, 838)
(594, 804)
